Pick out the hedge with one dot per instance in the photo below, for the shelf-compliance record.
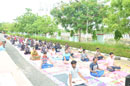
(117, 49)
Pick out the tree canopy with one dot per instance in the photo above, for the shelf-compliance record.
(80, 16)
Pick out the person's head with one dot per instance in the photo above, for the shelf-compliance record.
(73, 63)
(111, 54)
(53, 49)
(44, 53)
(80, 47)
(83, 50)
(66, 50)
(97, 49)
(43, 45)
(95, 59)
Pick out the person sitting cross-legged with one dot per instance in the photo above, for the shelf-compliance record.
(110, 63)
(66, 56)
(98, 54)
(94, 69)
(27, 50)
(80, 50)
(43, 48)
(75, 77)
(34, 55)
(22, 46)
(84, 56)
(37, 46)
(44, 63)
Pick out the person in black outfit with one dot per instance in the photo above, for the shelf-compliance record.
(57, 47)
(37, 46)
(22, 47)
(27, 50)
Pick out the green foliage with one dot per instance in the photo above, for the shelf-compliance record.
(80, 16)
(118, 35)
(45, 25)
(31, 23)
(118, 17)
(59, 33)
(118, 49)
(71, 33)
(94, 37)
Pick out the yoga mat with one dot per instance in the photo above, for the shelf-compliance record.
(62, 77)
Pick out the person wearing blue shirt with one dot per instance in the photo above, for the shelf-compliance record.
(94, 69)
(66, 56)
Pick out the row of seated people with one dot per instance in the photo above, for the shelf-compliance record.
(69, 55)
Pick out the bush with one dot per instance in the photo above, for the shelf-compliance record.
(118, 49)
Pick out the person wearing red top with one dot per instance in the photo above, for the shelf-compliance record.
(44, 60)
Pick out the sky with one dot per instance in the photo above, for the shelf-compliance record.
(10, 9)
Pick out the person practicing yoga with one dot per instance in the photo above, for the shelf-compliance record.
(80, 50)
(22, 47)
(52, 53)
(110, 63)
(44, 63)
(66, 46)
(43, 48)
(94, 69)
(75, 77)
(34, 55)
(57, 47)
(98, 54)
(71, 52)
(37, 46)
(84, 56)
(32, 43)
(66, 57)
(27, 50)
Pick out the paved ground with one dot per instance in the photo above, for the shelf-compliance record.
(11, 73)
(35, 76)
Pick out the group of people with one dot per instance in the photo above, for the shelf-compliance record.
(49, 51)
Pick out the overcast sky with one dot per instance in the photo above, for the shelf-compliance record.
(10, 9)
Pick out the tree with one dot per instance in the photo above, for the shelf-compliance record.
(44, 25)
(118, 35)
(79, 15)
(25, 21)
(118, 20)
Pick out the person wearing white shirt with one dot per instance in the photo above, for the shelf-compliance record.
(110, 63)
(75, 77)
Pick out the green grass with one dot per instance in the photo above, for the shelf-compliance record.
(118, 49)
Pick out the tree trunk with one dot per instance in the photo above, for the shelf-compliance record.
(79, 35)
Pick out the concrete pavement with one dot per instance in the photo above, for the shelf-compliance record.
(32, 74)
